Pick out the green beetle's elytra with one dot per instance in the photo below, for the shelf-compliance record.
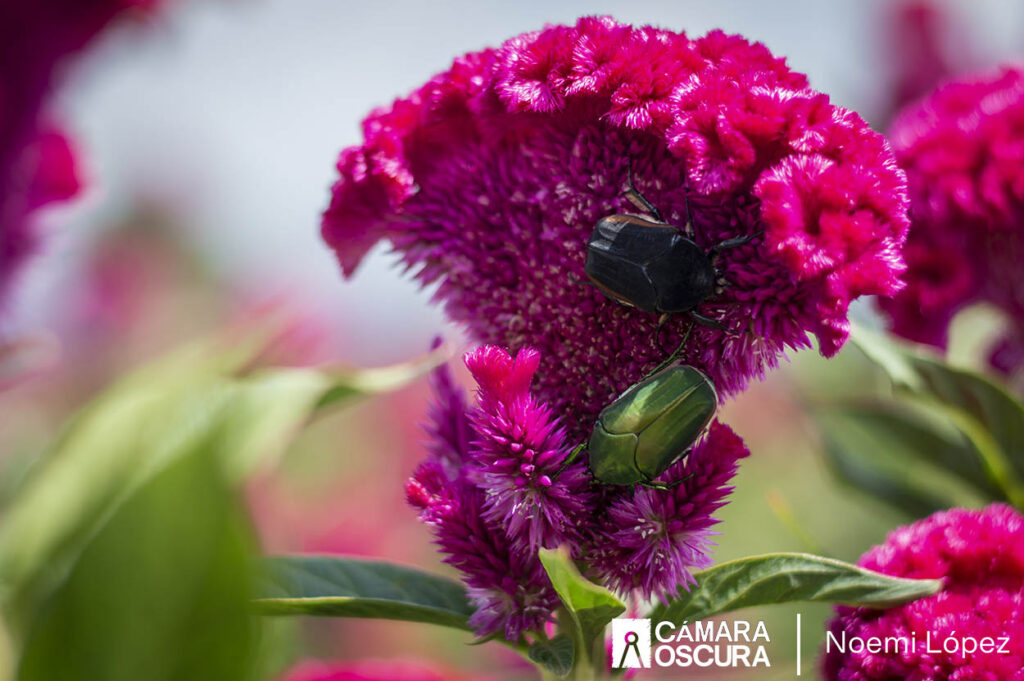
(650, 426)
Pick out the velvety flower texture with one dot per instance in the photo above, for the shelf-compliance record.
(963, 151)
(490, 177)
(494, 490)
(36, 160)
(979, 556)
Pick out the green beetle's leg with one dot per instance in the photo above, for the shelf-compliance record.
(665, 486)
(675, 353)
(573, 455)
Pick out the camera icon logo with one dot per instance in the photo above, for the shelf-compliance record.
(631, 643)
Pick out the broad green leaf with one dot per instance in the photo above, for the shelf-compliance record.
(591, 606)
(345, 587)
(556, 655)
(903, 460)
(787, 577)
(984, 411)
(144, 423)
(160, 592)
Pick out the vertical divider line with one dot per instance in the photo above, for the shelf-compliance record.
(798, 660)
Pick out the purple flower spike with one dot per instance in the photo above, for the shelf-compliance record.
(655, 537)
(510, 590)
(962, 148)
(518, 452)
(979, 556)
(489, 180)
(510, 496)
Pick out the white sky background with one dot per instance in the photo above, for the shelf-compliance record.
(234, 111)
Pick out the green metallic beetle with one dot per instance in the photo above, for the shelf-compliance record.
(650, 426)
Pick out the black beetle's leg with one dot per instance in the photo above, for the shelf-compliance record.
(688, 229)
(639, 200)
(662, 320)
(735, 242)
(573, 455)
(711, 323)
(665, 486)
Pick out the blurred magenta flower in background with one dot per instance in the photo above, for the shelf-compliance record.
(921, 50)
(37, 163)
(979, 556)
(490, 178)
(963, 150)
(374, 670)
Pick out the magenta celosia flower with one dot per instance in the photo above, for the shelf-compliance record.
(497, 493)
(656, 538)
(518, 455)
(489, 179)
(979, 556)
(36, 163)
(963, 150)
(922, 49)
(508, 587)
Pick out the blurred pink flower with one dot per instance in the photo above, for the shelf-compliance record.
(963, 150)
(979, 556)
(920, 49)
(373, 670)
(37, 165)
(490, 177)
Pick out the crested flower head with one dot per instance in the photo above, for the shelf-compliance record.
(509, 487)
(489, 179)
(979, 556)
(962, 148)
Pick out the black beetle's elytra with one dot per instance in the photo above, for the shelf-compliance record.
(652, 265)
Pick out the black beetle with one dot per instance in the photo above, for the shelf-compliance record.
(652, 265)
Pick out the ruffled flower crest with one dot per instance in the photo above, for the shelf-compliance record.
(488, 180)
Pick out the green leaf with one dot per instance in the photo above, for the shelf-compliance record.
(787, 577)
(903, 460)
(159, 593)
(591, 606)
(143, 424)
(556, 655)
(345, 587)
(984, 411)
